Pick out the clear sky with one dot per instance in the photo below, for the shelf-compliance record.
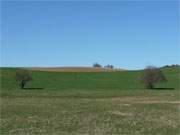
(127, 34)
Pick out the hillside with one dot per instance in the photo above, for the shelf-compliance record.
(84, 82)
(89, 103)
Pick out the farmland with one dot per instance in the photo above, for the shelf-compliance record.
(89, 103)
(73, 69)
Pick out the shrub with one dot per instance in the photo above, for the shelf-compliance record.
(151, 76)
(23, 76)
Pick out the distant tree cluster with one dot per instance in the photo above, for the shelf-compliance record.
(99, 65)
(152, 75)
(173, 65)
(109, 66)
(23, 76)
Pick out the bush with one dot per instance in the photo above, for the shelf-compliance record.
(152, 75)
(23, 76)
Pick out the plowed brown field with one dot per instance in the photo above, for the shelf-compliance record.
(74, 69)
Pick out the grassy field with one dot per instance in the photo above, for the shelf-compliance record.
(99, 103)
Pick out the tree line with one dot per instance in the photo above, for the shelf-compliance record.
(100, 66)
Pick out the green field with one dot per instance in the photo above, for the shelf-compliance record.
(99, 103)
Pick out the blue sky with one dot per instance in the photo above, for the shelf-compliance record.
(127, 34)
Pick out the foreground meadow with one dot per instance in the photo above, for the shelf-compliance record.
(89, 104)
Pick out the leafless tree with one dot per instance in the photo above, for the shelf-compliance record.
(152, 75)
(23, 76)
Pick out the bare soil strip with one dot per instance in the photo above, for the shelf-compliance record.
(161, 102)
(142, 100)
(73, 69)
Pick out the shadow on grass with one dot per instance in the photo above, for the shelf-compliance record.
(33, 88)
(163, 88)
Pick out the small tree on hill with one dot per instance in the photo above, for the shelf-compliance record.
(23, 76)
(96, 65)
(152, 75)
(109, 66)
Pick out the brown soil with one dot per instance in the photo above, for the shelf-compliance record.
(74, 69)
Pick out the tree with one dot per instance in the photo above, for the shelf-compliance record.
(96, 65)
(23, 76)
(152, 75)
(109, 66)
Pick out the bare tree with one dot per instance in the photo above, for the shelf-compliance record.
(152, 75)
(23, 76)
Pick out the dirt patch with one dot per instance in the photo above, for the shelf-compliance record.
(141, 100)
(120, 113)
(74, 69)
(157, 102)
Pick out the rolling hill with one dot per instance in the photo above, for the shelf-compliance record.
(86, 81)
(98, 103)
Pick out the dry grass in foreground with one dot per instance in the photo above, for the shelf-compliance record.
(148, 114)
